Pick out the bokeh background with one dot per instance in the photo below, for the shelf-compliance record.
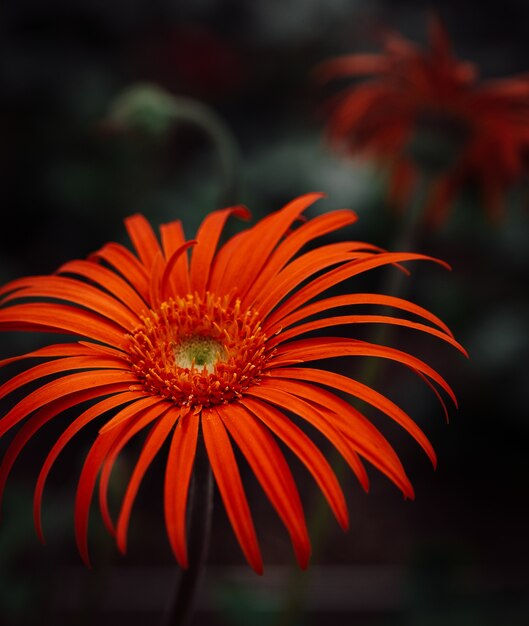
(459, 554)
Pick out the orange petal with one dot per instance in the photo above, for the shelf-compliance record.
(127, 264)
(129, 412)
(143, 239)
(307, 452)
(173, 237)
(317, 419)
(61, 387)
(156, 438)
(85, 489)
(272, 471)
(107, 279)
(171, 283)
(354, 299)
(257, 243)
(329, 347)
(156, 273)
(296, 272)
(60, 365)
(224, 259)
(126, 434)
(317, 227)
(339, 274)
(85, 418)
(78, 293)
(364, 393)
(208, 237)
(40, 418)
(365, 438)
(61, 318)
(55, 350)
(177, 477)
(228, 479)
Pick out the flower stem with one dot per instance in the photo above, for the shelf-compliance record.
(395, 281)
(406, 236)
(213, 127)
(319, 519)
(155, 112)
(200, 514)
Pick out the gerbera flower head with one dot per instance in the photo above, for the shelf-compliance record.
(426, 112)
(207, 348)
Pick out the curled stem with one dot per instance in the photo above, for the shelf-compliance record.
(154, 112)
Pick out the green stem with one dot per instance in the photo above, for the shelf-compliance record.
(200, 514)
(154, 111)
(320, 519)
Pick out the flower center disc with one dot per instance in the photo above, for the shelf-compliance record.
(198, 351)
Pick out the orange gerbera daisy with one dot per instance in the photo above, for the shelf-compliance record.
(210, 346)
(426, 110)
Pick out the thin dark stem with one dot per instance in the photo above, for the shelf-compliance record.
(200, 514)
(407, 234)
(395, 280)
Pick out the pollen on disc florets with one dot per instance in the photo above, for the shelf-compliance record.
(198, 351)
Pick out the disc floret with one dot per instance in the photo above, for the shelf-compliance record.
(199, 351)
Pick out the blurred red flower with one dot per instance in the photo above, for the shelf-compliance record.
(426, 111)
(209, 352)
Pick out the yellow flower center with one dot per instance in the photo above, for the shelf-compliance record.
(198, 351)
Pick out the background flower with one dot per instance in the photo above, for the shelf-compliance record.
(425, 111)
